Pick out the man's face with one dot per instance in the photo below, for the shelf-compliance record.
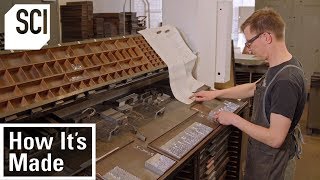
(254, 43)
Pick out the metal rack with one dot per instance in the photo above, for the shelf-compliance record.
(1, 41)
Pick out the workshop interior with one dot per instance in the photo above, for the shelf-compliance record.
(99, 68)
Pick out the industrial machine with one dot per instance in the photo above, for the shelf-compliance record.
(120, 84)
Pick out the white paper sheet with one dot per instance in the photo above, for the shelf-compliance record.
(169, 45)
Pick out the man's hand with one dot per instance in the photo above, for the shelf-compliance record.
(205, 95)
(226, 118)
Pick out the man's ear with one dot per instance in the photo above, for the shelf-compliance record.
(268, 37)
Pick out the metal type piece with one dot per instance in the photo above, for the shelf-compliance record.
(132, 98)
(227, 106)
(162, 99)
(201, 108)
(141, 136)
(186, 140)
(159, 164)
(230, 106)
(119, 174)
(125, 108)
(159, 113)
(143, 150)
(113, 116)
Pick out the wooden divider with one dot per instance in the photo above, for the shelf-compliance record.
(33, 76)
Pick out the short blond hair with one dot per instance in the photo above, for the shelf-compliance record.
(266, 20)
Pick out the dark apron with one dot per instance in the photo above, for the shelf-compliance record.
(263, 161)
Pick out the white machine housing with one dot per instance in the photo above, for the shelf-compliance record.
(206, 27)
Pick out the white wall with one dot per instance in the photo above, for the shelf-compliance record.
(114, 6)
(197, 20)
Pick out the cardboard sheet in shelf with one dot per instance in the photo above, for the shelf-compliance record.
(169, 45)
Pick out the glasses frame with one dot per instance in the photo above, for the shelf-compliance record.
(250, 41)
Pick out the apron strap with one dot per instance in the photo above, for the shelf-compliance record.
(267, 88)
(297, 135)
(298, 141)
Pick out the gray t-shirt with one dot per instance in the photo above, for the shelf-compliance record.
(287, 95)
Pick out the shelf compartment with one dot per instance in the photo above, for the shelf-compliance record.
(57, 91)
(111, 57)
(139, 60)
(85, 61)
(107, 77)
(121, 43)
(19, 102)
(98, 47)
(110, 45)
(112, 67)
(69, 88)
(131, 42)
(126, 64)
(33, 98)
(137, 69)
(81, 49)
(122, 73)
(57, 81)
(143, 68)
(65, 65)
(32, 87)
(103, 58)
(132, 53)
(15, 60)
(9, 92)
(5, 78)
(129, 71)
(5, 106)
(148, 66)
(137, 51)
(45, 95)
(125, 54)
(95, 60)
(111, 76)
(142, 46)
(79, 85)
(125, 43)
(55, 67)
(89, 82)
(76, 64)
(43, 69)
(31, 72)
(18, 75)
(78, 76)
(118, 55)
(62, 52)
(96, 71)
(98, 80)
(40, 56)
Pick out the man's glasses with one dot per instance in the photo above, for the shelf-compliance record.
(250, 41)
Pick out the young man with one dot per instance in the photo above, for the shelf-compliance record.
(279, 98)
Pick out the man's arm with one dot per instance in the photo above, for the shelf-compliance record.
(273, 136)
(237, 92)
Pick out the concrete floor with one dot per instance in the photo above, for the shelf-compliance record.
(308, 167)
